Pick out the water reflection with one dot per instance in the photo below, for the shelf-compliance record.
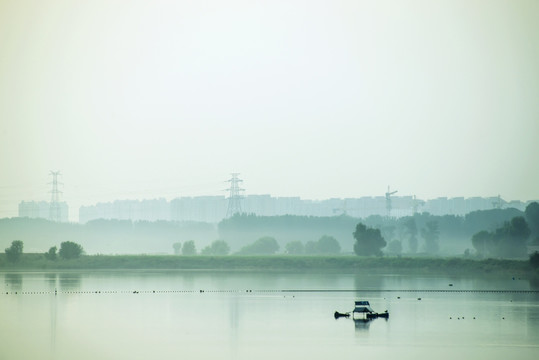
(359, 324)
(362, 324)
(188, 279)
(50, 280)
(13, 281)
(259, 324)
(534, 283)
(69, 281)
(53, 311)
(374, 282)
(234, 320)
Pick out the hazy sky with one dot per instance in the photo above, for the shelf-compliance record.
(318, 99)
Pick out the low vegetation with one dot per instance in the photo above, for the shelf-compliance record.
(342, 263)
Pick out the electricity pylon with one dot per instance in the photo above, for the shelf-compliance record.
(54, 209)
(234, 197)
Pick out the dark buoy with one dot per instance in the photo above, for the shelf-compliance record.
(337, 315)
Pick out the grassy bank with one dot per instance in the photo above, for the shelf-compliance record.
(348, 264)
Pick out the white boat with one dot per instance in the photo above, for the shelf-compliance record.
(363, 311)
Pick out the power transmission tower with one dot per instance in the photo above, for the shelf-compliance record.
(234, 197)
(54, 209)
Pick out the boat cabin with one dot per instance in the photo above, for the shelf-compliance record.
(362, 310)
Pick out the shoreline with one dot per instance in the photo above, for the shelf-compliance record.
(342, 263)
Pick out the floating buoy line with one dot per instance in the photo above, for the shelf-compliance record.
(81, 292)
(74, 292)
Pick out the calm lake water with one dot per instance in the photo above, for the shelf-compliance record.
(250, 315)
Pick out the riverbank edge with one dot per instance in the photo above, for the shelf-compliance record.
(343, 263)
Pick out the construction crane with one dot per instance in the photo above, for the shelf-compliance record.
(388, 201)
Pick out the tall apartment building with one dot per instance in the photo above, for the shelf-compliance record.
(41, 210)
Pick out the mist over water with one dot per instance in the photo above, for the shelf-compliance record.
(313, 100)
(241, 315)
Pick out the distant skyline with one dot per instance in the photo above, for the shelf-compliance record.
(316, 99)
(74, 212)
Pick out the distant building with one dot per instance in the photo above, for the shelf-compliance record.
(212, 209)
(41, 210)
(135, 210)
(461, 206)
(263, 205)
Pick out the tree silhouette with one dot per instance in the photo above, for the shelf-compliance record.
(411, 231)
(218, 247)
(295, 247)
(266, 245)
(14, 252)
(328, 245)
(431, 234)
(369, 241)
(51, 254)
(532, 218)
(189, 248)
(482, 243)
(512, 238)
(70, 250)
(534, 260)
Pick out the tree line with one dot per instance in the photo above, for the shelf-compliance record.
(510, 240)
(420, 233)
(68, 250)
(266, 245)
(104, 236)
(489, 233)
